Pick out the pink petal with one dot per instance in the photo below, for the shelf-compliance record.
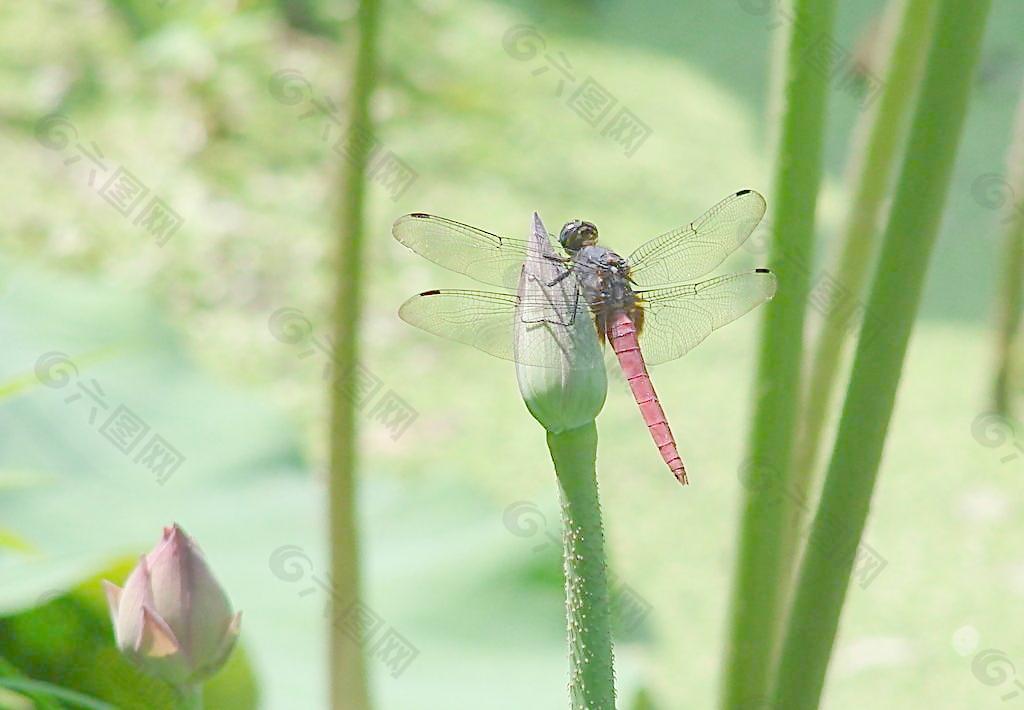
(164, 541)
(136, 593)
(188, 597)
(113, 593)
(156, 640)
(158, 651)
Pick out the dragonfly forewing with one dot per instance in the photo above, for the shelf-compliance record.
(483, 256)
(691, 251)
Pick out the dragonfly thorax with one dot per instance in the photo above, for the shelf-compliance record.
(604, 277)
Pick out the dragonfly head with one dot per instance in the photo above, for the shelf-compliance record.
(578, 234)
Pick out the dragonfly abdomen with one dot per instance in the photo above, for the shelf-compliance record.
(622, 334)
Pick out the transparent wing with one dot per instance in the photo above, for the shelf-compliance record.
(692, 251)
(480, 255)
(502, 325)
(677, 318)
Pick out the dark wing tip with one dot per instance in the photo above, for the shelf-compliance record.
(398, 229)
(431, 292)
(762, 271)
(754, 193)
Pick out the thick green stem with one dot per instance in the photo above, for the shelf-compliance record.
(348, 686)
(191, 697)
(754, 626)
(884, 130)
(591, 676)
(1009, 299)
(893, 303)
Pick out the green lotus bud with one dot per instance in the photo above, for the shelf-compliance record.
(559, 361)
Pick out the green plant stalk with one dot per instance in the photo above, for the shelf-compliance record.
(191, 697)
(1009, 300)
(753, 631)
(346, 667)
(1009, 307)
(885, 129)
(894, 298)
(588, 611)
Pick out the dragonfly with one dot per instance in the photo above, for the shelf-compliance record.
(646, 306)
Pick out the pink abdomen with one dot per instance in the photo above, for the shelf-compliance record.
(622, 336)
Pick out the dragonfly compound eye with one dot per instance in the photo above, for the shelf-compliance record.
(577, 234)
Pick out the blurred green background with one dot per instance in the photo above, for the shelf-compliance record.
(217, 109)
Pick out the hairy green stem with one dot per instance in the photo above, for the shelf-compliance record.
(754, 627)
(1009, 299)
(348, 686)
(895, 294)
(876, 160)
(591, 676)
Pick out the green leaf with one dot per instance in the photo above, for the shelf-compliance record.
(14, 541)
(54, 691)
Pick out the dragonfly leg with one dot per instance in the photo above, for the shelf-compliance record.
(558, 279)
(552, 310)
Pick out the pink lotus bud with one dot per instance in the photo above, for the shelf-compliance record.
(172, 618)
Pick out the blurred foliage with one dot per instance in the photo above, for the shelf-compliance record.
(186, 106)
